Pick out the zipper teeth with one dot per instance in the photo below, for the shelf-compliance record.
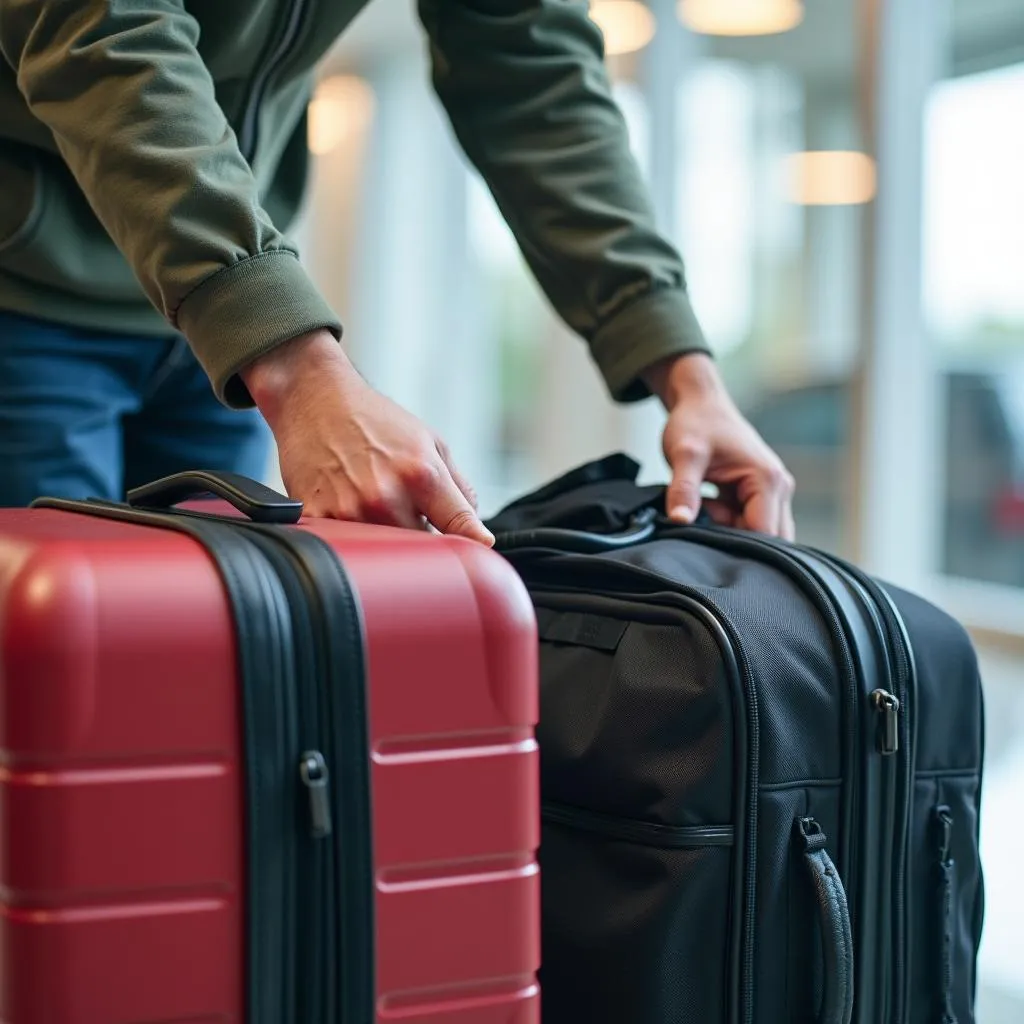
(879, 611)
(646, 833)
(248, 131)
(348, 984)
(900, 644)
(302, 711)
(753, 747)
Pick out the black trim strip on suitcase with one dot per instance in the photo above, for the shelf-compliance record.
(309, 918)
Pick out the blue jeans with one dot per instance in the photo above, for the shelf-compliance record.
(89, 414)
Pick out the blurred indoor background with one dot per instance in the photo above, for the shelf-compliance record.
(845, 179)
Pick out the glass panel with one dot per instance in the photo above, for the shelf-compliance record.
(771, 238)
(973, 294)
(974, 302)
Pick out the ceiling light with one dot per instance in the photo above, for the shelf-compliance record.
(341, 106)
(740, 17)
(627, 25)
(830, 178)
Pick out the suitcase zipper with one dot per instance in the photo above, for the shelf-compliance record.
(632, 830)
(341, 892)
(312, 906)
(684, 599)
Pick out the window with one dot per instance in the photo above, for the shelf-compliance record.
(974, 309)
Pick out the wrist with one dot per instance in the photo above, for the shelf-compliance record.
(272, 377)
(683, 376)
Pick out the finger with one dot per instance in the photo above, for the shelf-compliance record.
(689, 462)
(788, 522)
(439, 498)
(389, 504)
(460, 481)
(721, 512)
(763, 499)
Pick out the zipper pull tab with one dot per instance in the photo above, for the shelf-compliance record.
(313, 772)
(944, 816)
(887, 706)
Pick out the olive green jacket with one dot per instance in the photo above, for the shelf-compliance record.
(153, 152)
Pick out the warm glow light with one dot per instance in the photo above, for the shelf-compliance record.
(740, 17)
(341, 106)
(830, 178)
(627, 25)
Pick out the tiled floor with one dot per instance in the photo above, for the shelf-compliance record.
(1001, 968)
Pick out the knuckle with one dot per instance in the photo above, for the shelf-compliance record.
(687, 449)
(775, 475)
(420, 474)
(375, 502)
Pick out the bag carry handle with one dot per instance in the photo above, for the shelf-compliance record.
(834, 922)
(260, 503)
(580, 542)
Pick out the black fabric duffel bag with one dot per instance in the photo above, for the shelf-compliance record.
(760, 773)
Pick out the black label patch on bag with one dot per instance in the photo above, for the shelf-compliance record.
(596, 631)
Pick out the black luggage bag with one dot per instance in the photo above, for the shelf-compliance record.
(761, 772)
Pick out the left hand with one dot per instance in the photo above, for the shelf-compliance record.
(708, 439)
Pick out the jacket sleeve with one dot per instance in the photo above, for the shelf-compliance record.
(132, 109)
(525, 87)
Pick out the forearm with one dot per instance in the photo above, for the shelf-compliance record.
(526, 89)
(133, 111)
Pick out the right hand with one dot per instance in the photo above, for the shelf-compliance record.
(347, 452)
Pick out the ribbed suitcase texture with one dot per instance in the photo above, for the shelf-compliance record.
(122, 813)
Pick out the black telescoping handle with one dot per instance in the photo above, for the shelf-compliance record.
(834, 924)
(260, 503)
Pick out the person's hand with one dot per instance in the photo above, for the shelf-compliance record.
(706, 438)
(348, 452)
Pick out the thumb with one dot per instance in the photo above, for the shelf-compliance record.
(450, 512)
(689, 463)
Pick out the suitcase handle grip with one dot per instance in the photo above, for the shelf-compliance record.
(259, 502)
(833, 922)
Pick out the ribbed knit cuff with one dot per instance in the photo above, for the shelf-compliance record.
(649, 329)
(247, 309)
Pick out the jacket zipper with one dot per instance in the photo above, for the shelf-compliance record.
(685, 599)
(632, 830)
(248, 132)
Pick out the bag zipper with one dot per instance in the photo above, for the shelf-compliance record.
(905, 677)
(947, 867)
(886, 705)
(738, 670)
(632, 830)
(248, 132)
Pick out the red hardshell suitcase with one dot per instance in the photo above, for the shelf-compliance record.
(124, 822)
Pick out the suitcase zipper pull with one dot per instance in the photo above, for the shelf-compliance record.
(887, 706)
(313, 771)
